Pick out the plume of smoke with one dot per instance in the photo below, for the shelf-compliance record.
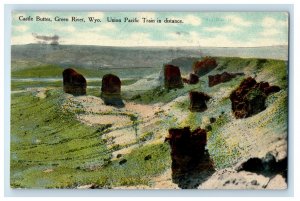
(42, 39)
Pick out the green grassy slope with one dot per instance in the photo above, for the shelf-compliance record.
(223, 143)
(232, 140)
(55, 71)
(43, 138)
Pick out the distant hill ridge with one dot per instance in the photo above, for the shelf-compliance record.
(120, 57)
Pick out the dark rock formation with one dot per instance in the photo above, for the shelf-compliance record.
(204, 66)
(186, 145)
(221, 78)
(111, 90)
(198, 101)
(172, 77)
(111, 85)
(267, 166)
(73, 82)
(193, 79)
(249, 98)
(187, 148)
(189, 157)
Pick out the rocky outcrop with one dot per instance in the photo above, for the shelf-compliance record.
(193, 79)
(204, 66)
(183, 141)
(73, 82)
(249, 98)
(221, 78)
(267, 166)
(111, 90)
(172, 77)
(198, 101)
(111, 85)
(268, 172)
(189, 157)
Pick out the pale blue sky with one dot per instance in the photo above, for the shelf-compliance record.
(217, 29)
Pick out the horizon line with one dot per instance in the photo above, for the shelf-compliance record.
(152, 46)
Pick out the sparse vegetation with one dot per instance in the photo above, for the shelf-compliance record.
(162, 95)
(233, 64)
(51, 149)
(145, 137)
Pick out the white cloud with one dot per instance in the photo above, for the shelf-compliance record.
(192, 20)
(23, 39)
(271, 22)
(220, 41)
(104, 28)
(69, 28)
(236, 20)
(138, 38)
(144, 39)
(93, 38)
(268, 22)
(105, 34)
(196, 39)
(109, 27)
(20, 28)
(222, 29)
(267, 41)
(273, 27)
(270, 32)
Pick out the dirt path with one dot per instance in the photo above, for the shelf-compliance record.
(127, 125)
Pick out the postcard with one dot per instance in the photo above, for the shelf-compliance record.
(149, 100)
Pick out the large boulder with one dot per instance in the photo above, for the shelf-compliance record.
(267, 165)
(111, 90)
(172, 77)
(198, 101)
(204, 66)
(73, 82)
(249, 98)
(187, 147)
(221, 78)
(191, 163)
(111, 85)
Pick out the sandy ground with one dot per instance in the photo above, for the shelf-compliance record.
(126, 133)
(223, 179)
